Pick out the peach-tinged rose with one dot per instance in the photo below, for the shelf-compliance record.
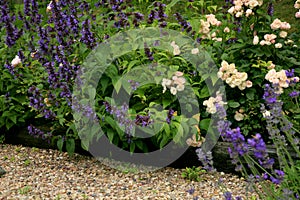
(238, 3)
(297, 5)
(237, 8)
(255, 40)
(285, 26)
(248, 84)
(271, 74)
(276, 24)
(178, 80)
(178, 73)
(270, 37)
(262, 43)
(271, 65)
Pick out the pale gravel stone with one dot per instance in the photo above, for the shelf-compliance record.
(51, 174)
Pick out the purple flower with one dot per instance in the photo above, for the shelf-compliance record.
(294, 94)
(170, 115)
(228, 195)
(270, 9)
(279, 177)
(206, 159)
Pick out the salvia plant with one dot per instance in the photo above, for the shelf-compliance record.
(45, 45)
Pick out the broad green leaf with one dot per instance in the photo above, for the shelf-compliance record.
(70, 146)
(60, 144)
(233, 104)
(204, 124)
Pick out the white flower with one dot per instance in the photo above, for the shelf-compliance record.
(238, 116)
(231, 10)
(178, 73)
(248, 12)
(226, 30)
(49, 7)
(239, 14)
(276, 24)
(176, 50)
(195, 51)
(255, 40)
(178, 80)
(278, 45)
(16, 61)
(253, 3)
(283, 34)
(173, 90)
(297, 14)
(166, 82)
(180, 88)
(266, 113)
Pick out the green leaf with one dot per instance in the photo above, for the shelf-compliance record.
(70, 146)
(141, 145)
(164, 141)
(233, 104)
(204, 92)
(250, 95)
(60, 144)
(204, 124)
(170, 5)
(110, 135)
(179, 133)
(85, 144)
(92, 92)
(132, 147)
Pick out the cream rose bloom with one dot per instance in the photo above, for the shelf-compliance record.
(283, 34)
(16, 61)
(278, 45)
(238, 116)
(276, 24)
(255, 40)
(195, 51)
(226, 30)
(253, 3)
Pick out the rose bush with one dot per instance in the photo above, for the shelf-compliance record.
(256, 55)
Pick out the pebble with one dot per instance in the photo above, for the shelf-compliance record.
(53, 175)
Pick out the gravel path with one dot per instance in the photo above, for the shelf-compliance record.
(49, 174)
